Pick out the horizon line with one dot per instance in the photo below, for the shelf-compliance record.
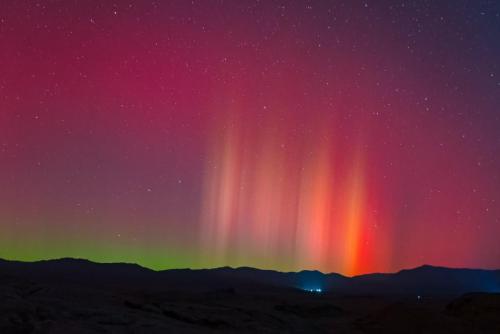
(244, 267)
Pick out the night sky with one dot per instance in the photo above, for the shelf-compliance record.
(345, 136)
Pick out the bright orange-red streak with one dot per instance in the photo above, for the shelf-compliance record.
(353, 223)
(268, 213)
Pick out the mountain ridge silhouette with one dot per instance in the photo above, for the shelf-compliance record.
(422, 280)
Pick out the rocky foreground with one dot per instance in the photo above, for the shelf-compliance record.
(31, 303)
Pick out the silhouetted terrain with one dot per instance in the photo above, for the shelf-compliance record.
(79, 296)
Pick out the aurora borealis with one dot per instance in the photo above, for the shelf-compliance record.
(344, 136)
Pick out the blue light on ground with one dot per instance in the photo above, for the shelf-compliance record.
(316, 290)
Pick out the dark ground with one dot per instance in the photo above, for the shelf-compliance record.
(41, 304)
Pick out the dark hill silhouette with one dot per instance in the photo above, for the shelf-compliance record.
(429, 280)
(424, 280)
(80, 296)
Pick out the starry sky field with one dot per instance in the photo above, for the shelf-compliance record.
(344, 136)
